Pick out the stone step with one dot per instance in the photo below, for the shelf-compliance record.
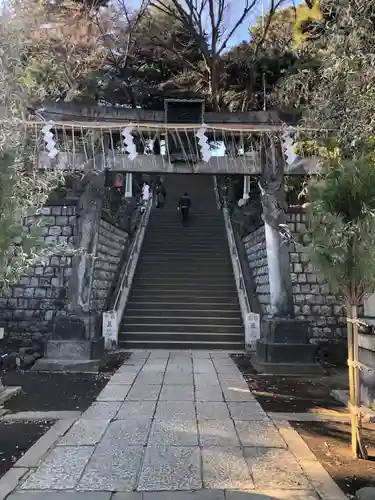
(145, 299)
(176, 273)
(186, 336)
(180, 313)
(226, 295)
(187, 320)
(191, 289)
(182, 306)
(181, 280)
(198, 240)
(182, 344)
(189, 264)
(172, 246)
(131, 328)
(185, 254)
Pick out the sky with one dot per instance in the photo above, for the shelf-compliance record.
(235, 7)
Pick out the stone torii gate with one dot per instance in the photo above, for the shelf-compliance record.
(176, 129)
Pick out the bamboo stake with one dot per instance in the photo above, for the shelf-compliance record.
(352, 393)
(361, 450)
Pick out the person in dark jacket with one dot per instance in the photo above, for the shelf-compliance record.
(184, 206)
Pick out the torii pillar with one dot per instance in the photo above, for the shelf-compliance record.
(284, 346)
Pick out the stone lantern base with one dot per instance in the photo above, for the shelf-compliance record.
(284, 348)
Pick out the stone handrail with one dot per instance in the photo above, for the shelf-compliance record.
(128, 270)
(237, 268)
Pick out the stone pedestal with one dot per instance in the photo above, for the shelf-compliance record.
(69, 351)
(284, 348)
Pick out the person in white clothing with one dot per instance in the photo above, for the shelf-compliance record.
(145, 192)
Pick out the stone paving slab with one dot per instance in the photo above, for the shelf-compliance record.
(201, 355)
(61, 469)
(84, 433)
(184, 495)
(262, 434)
(223, 361)
(174, 432)
(237, 394)
(179, 368)
(129, 369)
(144, 393)
(206, 379)
(209, 394)
(171, 468)
(102, 410)
(154, 366)
(123, 378)
(133, 409)
(175, 410)
(217, 433)
(144, 378)
(203, 369)
(232, 382)
(212, 411)
(230, 369)
(60, 495)
(132, 431)
(127, 495)
(160, 354)
(246, 411)
(179, 378)
(225, 468)
(177, 393)
(113, 392)
(113, 467)
(276, 468)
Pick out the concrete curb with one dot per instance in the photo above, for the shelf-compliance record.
(309, 417)
(40, 448)
(41, 415)
(32, 457)
(8, 393)
(10, 480)
(319, 478)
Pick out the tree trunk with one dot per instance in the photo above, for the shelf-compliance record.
(214, 86)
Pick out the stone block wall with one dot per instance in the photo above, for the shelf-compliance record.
(255, 246)
(112, 243)
(40, 295)
(313, 300)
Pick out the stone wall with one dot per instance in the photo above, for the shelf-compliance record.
(313, 299)
(111, 245)
(255, 246)
(40, 295)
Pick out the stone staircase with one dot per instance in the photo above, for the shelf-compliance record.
(184, 294)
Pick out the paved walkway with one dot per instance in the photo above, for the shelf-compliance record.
(177, 421)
